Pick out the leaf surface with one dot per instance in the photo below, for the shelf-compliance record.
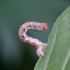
(57, 53)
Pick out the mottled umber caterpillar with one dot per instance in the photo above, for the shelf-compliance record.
(33, 41)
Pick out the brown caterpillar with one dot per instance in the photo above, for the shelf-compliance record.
(33, 41)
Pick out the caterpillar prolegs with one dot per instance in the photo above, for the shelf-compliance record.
(37, 26)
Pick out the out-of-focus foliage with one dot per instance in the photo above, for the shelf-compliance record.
(57, 53)
(14, 53)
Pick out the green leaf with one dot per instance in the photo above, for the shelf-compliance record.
(57, 53)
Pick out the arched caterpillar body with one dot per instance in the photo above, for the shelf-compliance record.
(33, 41)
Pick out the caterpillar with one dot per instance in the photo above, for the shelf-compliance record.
(37, 26)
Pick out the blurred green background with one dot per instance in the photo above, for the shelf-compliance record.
(14, 54)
